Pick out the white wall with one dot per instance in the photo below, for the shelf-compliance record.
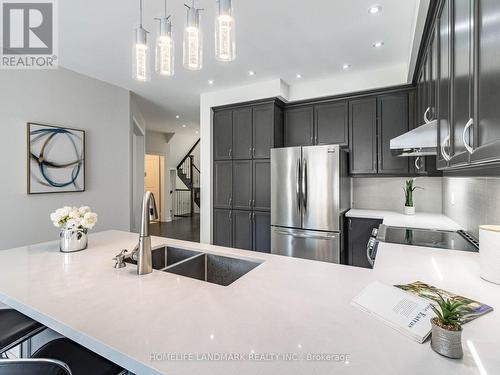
(386, 193)
(62, 97)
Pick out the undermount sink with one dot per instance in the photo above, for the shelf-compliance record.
(167, 256)
(212, 268)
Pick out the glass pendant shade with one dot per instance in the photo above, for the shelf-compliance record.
(225, 45)
(141, 70)
(193, 41)
(164, 61)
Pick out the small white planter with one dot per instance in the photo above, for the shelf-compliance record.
(409, 210)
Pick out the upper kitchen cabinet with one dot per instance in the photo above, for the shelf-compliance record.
(444, 87)
(486, 133)
(463, 80)
(247, 131)
(242, 133)
(267, 129)
(299, 126)
(393, 121)
(363, 136)
(331, 123)
(223, 135)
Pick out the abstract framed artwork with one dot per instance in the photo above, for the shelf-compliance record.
(56, 159)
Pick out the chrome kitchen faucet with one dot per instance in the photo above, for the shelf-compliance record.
(142, 251)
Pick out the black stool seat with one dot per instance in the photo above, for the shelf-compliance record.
(15, 327)
(33, 367)
(80, 360)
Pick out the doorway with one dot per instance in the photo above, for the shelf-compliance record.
(153, 179)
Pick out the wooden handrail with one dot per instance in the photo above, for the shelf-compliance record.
(188, 154)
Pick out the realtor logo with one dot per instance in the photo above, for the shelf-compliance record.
(29, 35)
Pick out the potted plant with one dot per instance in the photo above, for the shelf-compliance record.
(446, 329)
(409, 188)
(74, 223)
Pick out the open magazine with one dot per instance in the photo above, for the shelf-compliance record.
(405, 312)
(472, 309)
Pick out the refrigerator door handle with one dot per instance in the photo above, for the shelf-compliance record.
(297, 187)
(304, 185)
(300, 235)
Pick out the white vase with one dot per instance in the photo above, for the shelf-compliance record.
(409, 210)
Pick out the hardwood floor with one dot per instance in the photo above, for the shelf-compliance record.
(181, 228)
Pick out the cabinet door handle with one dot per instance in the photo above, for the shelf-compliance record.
(250, 203)
(230, 152)
(230, 216)
(250, 152)
(417, 164)
(443, 148)
(253, 152)
(426, 119)
(466, 131)
(230, 201)
(250, 216)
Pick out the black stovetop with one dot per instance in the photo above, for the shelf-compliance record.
(459, 240)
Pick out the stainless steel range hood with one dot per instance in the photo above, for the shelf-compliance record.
(421, 141)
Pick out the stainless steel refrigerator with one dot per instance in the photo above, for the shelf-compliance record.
(310, 191)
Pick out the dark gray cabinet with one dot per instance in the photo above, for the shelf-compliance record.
(262, 231)
(331, 123)
(444, 88)
(223, 181)
(242, 184)
(299, 126)
(242, 133)
(223, 135)
(358, 234)
(261, 199)
(463, 79)
(242, 230)
(223, 233)
(486, 133)
(393, 121)
(363, 136)
(267, 130)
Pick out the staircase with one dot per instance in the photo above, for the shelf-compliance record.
(189, 174)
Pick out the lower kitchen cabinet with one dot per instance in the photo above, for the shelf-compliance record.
(358, 233)
(223, 235)
(262, 231)
(241, 229)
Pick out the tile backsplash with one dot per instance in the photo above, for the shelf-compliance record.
(472, 201)
(386, 193)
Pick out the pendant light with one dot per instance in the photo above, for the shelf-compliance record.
(141, 53)
(225, 45)
(164, 61)
(193, 40)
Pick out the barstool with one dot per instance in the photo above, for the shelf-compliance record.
(33, 367)
(15, 328)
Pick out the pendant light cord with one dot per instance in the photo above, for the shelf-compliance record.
(140, 12)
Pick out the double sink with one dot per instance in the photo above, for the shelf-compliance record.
(211, 268)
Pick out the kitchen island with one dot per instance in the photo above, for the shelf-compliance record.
(269, 321)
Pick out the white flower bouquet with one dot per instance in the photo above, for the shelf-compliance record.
(74, 218)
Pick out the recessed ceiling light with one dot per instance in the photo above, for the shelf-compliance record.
(177, 116)
(374, 9)
(346, 66)
(378, 44)
(196, 131)
(299, 76)
(211, 82)
(251, 73)
(184, 125)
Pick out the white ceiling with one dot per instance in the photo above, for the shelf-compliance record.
(275, 38)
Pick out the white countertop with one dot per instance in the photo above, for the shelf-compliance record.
(285, 305)
(420, 220)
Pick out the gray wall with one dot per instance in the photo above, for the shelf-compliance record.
(472, 201)
(386, 193)
(62, 97)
